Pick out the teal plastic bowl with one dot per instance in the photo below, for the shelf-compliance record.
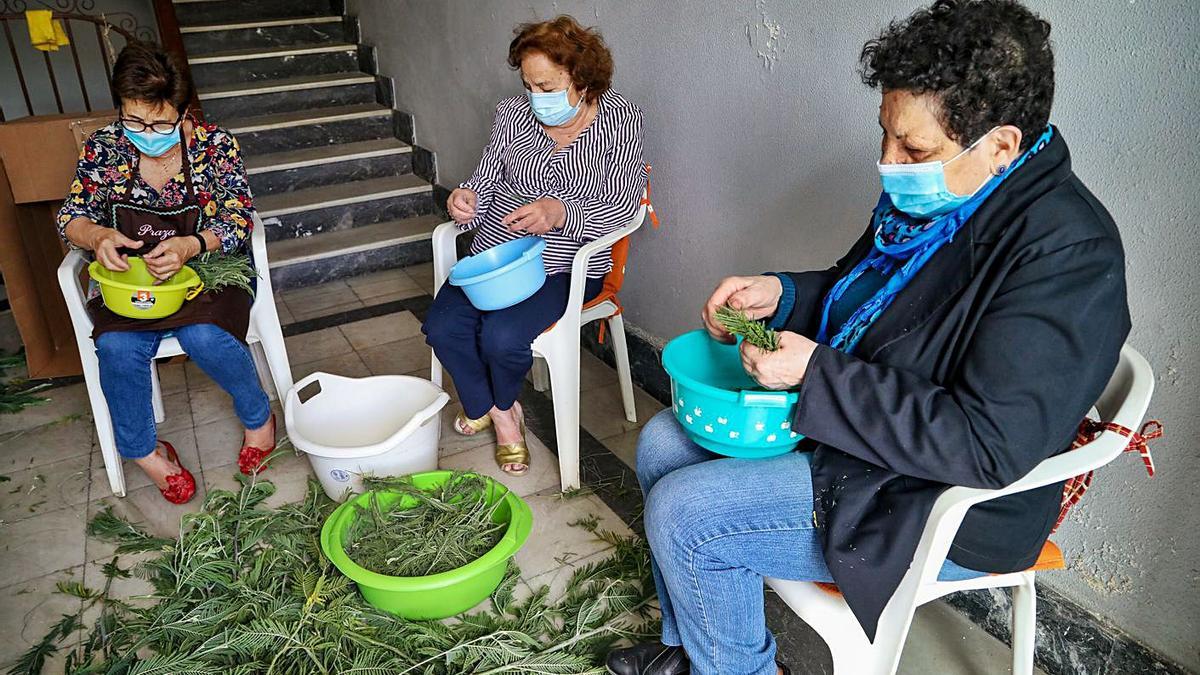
(503, 275)
(720, 407)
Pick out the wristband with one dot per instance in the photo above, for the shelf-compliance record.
(203, 244)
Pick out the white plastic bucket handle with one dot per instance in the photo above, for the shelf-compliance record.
(419, 418)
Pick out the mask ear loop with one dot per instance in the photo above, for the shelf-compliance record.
(970, 147)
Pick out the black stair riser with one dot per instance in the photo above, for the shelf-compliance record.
(194, 13)
(329, 219)
(272, 36)
(351, 265)
(315, 135)
(250, 105)
(273, 182)
(274, 68)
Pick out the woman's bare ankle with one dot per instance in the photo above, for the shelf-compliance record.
(156, 465)
(262, 437)
(507, 424)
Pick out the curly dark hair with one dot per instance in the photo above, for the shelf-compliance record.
(146, 72)
(564, 41)
(987, 62)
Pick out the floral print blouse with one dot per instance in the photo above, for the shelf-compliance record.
(105, 171)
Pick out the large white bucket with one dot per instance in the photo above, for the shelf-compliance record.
(383, 426)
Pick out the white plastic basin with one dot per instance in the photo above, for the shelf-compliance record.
(387, 425)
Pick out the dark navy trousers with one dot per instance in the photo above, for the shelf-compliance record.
(487, 353)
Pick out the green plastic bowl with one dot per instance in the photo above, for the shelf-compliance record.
(720, 407)
(135, 295)
(436, 596)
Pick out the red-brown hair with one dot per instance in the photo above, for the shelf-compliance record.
(565, 42)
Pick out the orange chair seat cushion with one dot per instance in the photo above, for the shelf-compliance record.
(1051, 558)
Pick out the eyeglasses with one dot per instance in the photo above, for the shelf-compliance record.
(138, 126)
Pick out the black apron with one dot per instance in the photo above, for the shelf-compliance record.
(228, 308)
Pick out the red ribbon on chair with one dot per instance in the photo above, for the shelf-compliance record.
(1089, 429)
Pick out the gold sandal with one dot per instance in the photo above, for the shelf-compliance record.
(513, 453)
(462, 424)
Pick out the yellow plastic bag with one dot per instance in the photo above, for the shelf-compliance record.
(45, 32)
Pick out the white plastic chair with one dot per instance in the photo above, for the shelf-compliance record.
(265, 337)
(1124, 401)
(559, 345)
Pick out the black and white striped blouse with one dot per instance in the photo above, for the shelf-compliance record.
(599, 178)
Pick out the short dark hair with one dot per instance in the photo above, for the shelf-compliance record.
(564, 41)
(988, 62)
(146, 72)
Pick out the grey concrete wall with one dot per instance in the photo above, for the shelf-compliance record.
(763, 144)
(33, 65)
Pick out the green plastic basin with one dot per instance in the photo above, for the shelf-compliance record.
(720, 407)
(436, 596)
(135, 293)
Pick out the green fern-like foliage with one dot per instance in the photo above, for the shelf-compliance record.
(15, 393)
(246, 590)
(425, 531)
(754, 332)
(217, 271)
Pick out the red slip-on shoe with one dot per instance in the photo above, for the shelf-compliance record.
(181, 487)
(250, 458)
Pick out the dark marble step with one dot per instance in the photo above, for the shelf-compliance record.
(307, 92)
(330, 208)
(219, 36)
(272, 63)
(311, 128)
(212, 11)
(350, 253)
(290, 171)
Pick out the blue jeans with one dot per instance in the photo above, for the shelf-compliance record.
(125, 378)
(488, 353)
(716, 527)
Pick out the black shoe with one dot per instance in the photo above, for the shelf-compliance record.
(651, 658)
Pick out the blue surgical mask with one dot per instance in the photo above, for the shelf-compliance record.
(920, 189)
(553, 108)
(152, 143)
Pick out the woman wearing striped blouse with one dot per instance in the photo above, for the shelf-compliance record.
(564, 163)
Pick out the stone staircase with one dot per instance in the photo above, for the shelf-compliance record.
(335, 176)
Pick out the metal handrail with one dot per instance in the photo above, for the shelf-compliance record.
(123, 23)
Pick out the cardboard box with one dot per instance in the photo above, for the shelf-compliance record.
(41, 151)
(37, 163)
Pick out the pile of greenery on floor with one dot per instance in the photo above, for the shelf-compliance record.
(246, 590)
(444, 529)
(15, 393)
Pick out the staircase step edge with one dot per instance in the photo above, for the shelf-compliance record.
(250, 125)
(265, 23)
(350, 250)
(332, 158)
(279, 52)
(343, 201)
(279, 86)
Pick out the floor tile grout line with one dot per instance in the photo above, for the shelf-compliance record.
(573, 563)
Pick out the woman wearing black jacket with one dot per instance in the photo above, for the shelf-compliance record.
(959, 342)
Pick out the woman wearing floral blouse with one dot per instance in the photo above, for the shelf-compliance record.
(163, 186)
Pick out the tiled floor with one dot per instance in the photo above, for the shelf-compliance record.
(56, 479)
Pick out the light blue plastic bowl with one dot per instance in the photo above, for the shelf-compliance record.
(503, 275)
(720, 407)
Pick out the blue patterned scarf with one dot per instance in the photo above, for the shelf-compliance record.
(902, 247)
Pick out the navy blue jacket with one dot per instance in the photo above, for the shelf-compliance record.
(982, 367)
